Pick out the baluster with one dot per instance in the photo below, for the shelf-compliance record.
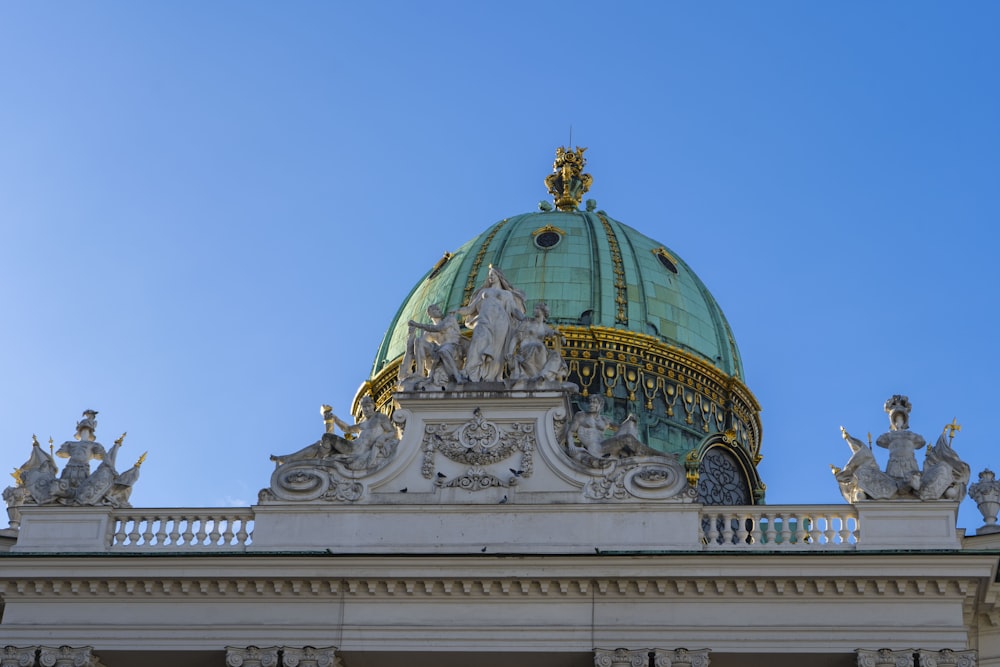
(227, 533)
(147, 534)
(727, 529)
(161, 532)
(134, 534)
(214, 534)
(120, 534)
(713, 529)
(773, 523)
(201, 533)
(187, 535)
(756, 533)
(242, 534)
(814, 532)
(741, 529)
(830, 532)
(175, 530)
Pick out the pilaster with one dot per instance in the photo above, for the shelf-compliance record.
(884, 657)
(651, 657)
(49, 656)
(282, 656)
(916, 658)
(947, 658)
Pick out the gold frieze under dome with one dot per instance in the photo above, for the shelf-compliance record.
(685, 401)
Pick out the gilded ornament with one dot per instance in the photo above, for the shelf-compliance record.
(567, 183)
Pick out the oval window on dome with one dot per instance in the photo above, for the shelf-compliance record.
(665, 259)
(547, 237)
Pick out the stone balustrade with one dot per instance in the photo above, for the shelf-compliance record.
(862, 526)
(784, 527)
(181, 529)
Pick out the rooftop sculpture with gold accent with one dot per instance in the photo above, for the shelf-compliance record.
(38, 481)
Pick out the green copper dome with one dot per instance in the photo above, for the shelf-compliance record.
(591, 270)
(639, 328)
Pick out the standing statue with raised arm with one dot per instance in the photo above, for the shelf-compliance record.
(492, 314)
(375, 440)
(436, 352)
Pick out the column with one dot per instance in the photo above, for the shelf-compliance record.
(18, 656)
(948, 658)
(916, 657)
(680, 658)
(651, 657)
(281, 656)
(251, 656)
(621, 657)
(310, 656)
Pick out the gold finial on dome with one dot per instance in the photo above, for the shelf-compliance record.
(567, 183)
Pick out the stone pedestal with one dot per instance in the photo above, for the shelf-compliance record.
(907, 524)
(55, 528)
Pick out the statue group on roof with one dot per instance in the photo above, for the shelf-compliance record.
(505, 344)
(38, 481)
(944, 475)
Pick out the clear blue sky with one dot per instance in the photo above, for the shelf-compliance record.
(210, 211)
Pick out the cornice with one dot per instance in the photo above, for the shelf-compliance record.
(729, 589)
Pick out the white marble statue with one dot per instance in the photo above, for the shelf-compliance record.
(531, 359)
(375, 440)
(38, 484)
(587, 435)
(435, 355)
(899, 440)
(861, 478)
(492, 313)
(944, 476)
(81, 451)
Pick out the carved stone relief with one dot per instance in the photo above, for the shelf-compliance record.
(480, 443)
(648, 478)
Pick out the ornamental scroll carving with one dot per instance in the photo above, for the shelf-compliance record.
(479, 443)
(646, 478)
(330, 468)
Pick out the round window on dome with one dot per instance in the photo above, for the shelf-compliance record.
(547, 237)
(546, 240)
(665, 259)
